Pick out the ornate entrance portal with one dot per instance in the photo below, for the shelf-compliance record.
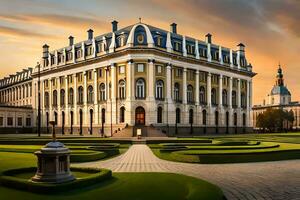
(140, 116)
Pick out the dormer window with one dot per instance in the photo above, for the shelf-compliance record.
(89, 50)
(121, 41)
(234, 61)
(69, 56)
(52, 60)
(78, 53)
(225, 59)
(203, 53)
(140, 38)
(159, 41)
(177, 46)
(190, 49)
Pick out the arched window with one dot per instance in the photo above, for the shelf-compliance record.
(202, 95)
(234, 104)
(71, 96)
(80, 95)
(244, 119)
(122, 89)
(190, 95)
(213, 96)
(102, 92)
(243, 100)
(122, 114)
(159, 115)
(46, 99)
(80, 121)
(54, 103)
(191, 116)
(62, 97)
(140, 89)
(177, 115)
(216, 118)
(235, 119)
(224, 97)
(176, 91)
(90, 97)
(204, 117)
(103, 115)
(159, 89)
(55, 118)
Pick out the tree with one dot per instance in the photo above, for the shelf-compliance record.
(275, 119)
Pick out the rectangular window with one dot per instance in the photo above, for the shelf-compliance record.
(178, 72)
(90, 77)
(158, 69)
(1, 121)
(99, 72)
(20, 121)
(140, 67)
(28, 121)
(121, 69)
(10, 121)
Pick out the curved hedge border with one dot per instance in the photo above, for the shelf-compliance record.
(86, 157)
(7, 179)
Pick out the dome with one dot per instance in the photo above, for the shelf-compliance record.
(280, 89)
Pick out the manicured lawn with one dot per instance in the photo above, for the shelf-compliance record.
(231, 149)
(126, 186)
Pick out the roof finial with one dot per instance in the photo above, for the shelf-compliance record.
(140, 19)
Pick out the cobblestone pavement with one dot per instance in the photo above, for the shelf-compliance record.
(278, 180)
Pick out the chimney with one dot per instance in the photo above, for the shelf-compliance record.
(208, 38)
(241, 47)
(71, 40)
(45, 51)
(114, 26)
(90, 34)
(173, 28)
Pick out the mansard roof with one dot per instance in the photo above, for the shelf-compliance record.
(19, 77)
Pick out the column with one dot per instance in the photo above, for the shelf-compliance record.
(85, 111)
(66, 100)
(231, 58)
(184, 87)
(168, 119)
(129, 83)
(208, 52)
(107, 96)
(169, 84)
(58, 102)
(50, 100)
(151, 83)
(113, 94)
(208, 89)
(96, 116)
(209, 113)
(197, 88)
(239, 117)
(249, 120)
(239, 93)
(220, 90)
(230, 93)
(75, 89)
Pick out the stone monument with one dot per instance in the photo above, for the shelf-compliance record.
(53, 162)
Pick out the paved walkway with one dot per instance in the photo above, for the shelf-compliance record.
(266, 180)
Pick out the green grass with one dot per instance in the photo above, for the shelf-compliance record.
(126, 186)
(231, 149)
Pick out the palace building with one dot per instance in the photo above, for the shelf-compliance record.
(143, 77)
(279, 98)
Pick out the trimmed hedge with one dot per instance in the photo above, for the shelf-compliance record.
(7, 179)
(180, 141)
(86, 157)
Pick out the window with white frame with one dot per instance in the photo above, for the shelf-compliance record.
(159, 89)
(176, 91)
(102, 92)
(190, 95)
(122, 89)
(140, 67)
(122, 69)
(202, 95)
(140, 89)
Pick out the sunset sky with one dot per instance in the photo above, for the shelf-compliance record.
(270, 29)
